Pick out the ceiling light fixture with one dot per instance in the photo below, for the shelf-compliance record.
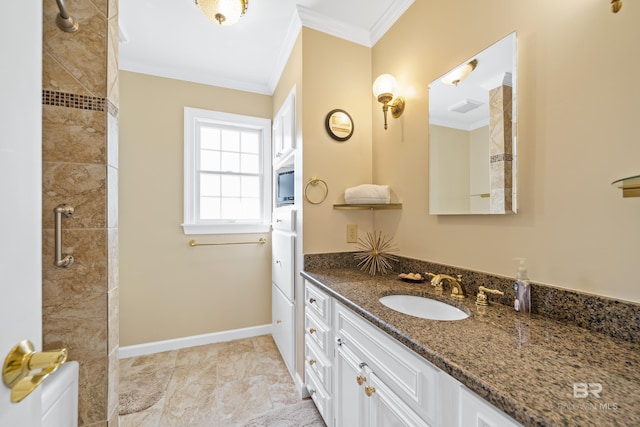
(460, 73)
(383, 89)
(224, 12)
(616, 5)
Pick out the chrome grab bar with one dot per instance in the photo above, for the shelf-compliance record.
(67, 211)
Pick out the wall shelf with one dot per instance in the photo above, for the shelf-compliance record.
(630, 186)
(380, 206)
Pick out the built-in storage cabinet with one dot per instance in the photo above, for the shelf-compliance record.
(359, 376)
(282, 262)
(318, 353)
(284, 129)
(283, 325)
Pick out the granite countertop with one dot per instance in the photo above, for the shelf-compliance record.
(525, 365)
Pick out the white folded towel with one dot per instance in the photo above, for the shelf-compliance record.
(366, 194)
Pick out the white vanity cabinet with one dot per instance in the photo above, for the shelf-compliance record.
(359, 376)
(283, 285)
(399, 387)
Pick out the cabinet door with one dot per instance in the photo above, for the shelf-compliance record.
(283, 315)
(349, 397)
(282, 262)
(386, 409)
(284, 129)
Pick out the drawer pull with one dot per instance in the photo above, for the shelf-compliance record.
(278, 321)
(312, 330)
(361, 379)
(339, 342)
(278, 261)
(278, 220)
(369, 390)
(312, 300)
(312, 362)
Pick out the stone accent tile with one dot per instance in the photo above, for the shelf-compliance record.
(112, 197)
(113, 301)
(77, 323)
(113, 381)
(113, 93)
(73, 135)
(112, 135)
(102, 6)
(83, 186)
(88, 274)
(82, 53)
(113, 261)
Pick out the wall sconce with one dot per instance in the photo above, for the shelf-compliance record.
(383, 89)
(616, 5)
(460, 73)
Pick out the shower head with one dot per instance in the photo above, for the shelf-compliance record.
(65, 21)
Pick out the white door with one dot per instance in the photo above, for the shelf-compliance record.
(20, 194)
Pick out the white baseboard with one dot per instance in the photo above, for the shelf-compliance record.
(301, 387)
(192, 341)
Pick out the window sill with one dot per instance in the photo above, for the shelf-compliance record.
(225, 228)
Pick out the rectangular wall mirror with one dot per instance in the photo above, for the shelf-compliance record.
(472, 135)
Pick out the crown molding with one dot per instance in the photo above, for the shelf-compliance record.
(386, 21)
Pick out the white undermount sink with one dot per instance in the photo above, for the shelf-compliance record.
(425, 308)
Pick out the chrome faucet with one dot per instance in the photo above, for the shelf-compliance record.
(456, 284)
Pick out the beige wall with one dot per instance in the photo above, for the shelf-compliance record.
(168, 289)
(577, 105)
(336, 74)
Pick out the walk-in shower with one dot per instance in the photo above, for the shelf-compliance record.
(65, 21)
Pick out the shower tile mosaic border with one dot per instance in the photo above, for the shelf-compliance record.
(597, 313)
(72, 100)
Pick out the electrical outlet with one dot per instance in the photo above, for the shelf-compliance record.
(352, 233)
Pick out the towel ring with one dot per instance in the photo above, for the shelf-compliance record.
(314, 181)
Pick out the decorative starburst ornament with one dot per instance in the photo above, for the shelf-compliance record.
(375, 253)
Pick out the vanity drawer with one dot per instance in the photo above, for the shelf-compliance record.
(284, 219)
(409, 376)
(317, 302)
(320, 397)
(317, 332)
(316, 362)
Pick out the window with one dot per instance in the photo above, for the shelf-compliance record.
(227, 179)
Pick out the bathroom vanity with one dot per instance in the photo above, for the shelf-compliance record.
(369, 365)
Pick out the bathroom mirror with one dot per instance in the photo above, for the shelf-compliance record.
(472, 135)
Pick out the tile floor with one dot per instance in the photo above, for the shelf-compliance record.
(216, 385)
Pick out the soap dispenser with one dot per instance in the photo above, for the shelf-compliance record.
(522, 287)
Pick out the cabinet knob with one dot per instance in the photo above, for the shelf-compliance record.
(312, 300)
(312, 362)
(369, 390)
(361, 379)
(312, 330)
(339, 342)
(278, 321)
(278, 261)
(278, 220)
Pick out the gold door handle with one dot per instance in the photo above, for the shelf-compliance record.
(22, 359)
(361, 379)
(369, 390)
(312, 330)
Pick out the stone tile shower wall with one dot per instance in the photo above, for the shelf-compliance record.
(501, 148)
(80, 168)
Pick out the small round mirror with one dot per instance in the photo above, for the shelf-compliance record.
(339, 125)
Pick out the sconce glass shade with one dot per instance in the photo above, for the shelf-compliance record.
(224, 12)
(385, 84)
(384, 88)
(460, 73)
